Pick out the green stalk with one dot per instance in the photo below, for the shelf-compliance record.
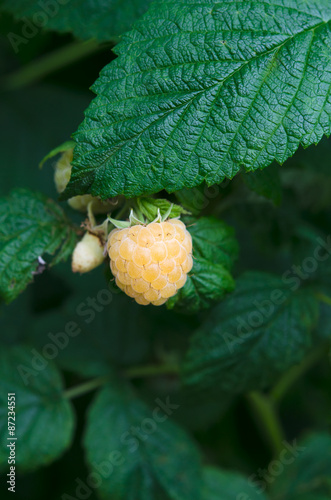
(151, 370)
(47, 64)
(86, 387)
(134, 372)
(267, 421)
(324, 298)
(296, 372)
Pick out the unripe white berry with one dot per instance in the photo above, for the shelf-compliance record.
(61, 178)
(88, 254)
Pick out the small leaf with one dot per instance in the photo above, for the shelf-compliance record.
(31, 225)
(44, 418)
(225, 485)
(59, 149)
(148, 455)
(306, 475)
(254, 335)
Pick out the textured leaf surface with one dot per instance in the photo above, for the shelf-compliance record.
(206, 283)
(226, 485)
(44, 418)
(31, 225)
(100, 19)
(214, 250)
(308, 476)
(213, 240)
(251, 337)
(202, 88)
(154, 457)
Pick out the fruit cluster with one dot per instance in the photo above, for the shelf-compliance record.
(150, 263)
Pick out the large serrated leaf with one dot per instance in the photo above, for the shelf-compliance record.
(30, 225)
(44, 418)
(100, 19)
(251, 337)
(202, 88)
(148, 456)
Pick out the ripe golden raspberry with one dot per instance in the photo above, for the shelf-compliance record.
(150, 263)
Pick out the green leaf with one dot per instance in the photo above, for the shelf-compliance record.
(307, 476)
(266, 183)
(214, 251)
(207, 283)
(201, 89)
(251, 337)
(227, 485)
(213, 240)
(44, 418)
(148, 456)
(31, 225)
(100, 19)
(59, 149)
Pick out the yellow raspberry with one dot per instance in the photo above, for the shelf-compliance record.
(150, 263)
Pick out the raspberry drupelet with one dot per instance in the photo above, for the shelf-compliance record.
(150, 263)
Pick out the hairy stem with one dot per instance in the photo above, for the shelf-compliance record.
(267, 421)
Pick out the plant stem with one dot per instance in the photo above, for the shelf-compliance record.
(324, 298)
(47, 64)
(294, 374)
(90, 385)
(267, 420)
(151, 370)
(134, 372)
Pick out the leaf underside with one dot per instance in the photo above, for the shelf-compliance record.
(201, 89)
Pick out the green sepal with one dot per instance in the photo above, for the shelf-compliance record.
(150, 207)
(59, 149)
